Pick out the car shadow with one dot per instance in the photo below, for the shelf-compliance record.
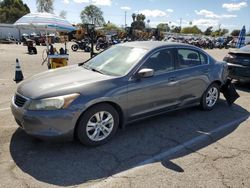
(70, 163)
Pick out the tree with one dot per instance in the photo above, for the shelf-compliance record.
(138, 22)
(12, 10)
(176, 29)
(45, 6)
(140, 17)
(219, 32)
(191, 30)
(208, 31)
(63, 14)
(235, 32)
(133, 16)
(111, 27)
(140, 25)
(224, 31)
(163, 27)
(92, 15)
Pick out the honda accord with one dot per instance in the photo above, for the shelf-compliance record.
(127, 82)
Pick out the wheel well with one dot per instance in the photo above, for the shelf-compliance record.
(117, 108)
(217, 82)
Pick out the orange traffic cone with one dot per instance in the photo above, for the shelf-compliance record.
(18, 74)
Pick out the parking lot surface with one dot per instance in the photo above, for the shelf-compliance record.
(185, 148)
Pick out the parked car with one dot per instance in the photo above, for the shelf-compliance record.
(127, 82)
(239, 63)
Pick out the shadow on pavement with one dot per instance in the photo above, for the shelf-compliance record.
(68, 164)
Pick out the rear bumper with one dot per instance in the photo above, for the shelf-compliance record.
(47, 125)
(239, 72)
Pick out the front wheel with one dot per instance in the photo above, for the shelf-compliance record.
(210, 97)
(97, 125)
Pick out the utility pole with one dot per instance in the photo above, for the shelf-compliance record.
(125, 19)
(180, 22)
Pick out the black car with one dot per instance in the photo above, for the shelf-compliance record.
(239, 64)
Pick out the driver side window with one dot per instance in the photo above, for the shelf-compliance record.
(161, 61)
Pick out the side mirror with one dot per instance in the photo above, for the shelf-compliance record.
(145, 73)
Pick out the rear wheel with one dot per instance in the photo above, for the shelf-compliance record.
(210, 97)
(97, 125)
(74, 47)
(97, 47)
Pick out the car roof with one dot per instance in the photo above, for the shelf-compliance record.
(150, 45)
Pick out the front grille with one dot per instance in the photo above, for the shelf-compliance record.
(19, 100)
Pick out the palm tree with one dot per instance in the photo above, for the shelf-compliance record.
(45, 5)
(133, 16)
(148, 21)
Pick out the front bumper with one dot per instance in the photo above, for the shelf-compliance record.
(52, 125)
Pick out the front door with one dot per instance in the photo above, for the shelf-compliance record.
(161, 91)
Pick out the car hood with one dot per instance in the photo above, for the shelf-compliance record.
(60, 81)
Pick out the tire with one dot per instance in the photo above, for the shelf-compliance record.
(87, 49)
(97, 47)
(95, 135)
(74, 47)
(208, 103)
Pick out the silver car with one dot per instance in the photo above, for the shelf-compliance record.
(127, 82)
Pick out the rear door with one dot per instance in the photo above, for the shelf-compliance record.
(193, 68)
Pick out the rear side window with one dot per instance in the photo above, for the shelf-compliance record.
(190, 58)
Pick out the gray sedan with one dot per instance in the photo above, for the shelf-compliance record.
(127, 82)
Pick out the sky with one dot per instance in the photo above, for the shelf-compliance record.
(230, 14)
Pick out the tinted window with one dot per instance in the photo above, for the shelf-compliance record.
(161, 61)
(188, 58)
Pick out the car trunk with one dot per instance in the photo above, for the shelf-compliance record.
(240, 58)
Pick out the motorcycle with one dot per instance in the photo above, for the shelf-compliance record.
(83, 45)
(101, 44)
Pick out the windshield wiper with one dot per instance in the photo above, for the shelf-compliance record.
(95, 70)
(92, 69)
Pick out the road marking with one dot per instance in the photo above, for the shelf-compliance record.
(3, 109)
(168, 153)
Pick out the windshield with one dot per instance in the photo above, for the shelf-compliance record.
(116, 61)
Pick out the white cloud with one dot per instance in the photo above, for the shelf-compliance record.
(170, 10)
(234, 6)
(95, 2)
(205, 22)
(210, 14)
(81, 1)
(65, 1)
(228, 16)
(102, 2)
(206, 13)
(126, 8)
(153, 13)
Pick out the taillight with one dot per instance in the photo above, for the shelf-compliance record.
(230, 56)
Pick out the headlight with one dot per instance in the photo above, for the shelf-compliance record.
(53, 103)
